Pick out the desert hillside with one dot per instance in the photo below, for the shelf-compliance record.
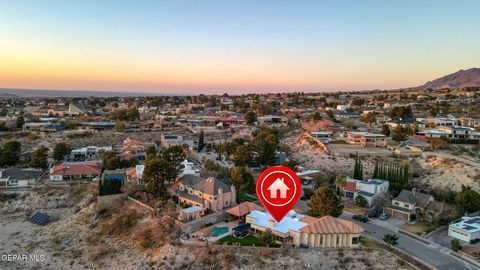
(459, 79)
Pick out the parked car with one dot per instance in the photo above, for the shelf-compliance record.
(360, 218)
(384, 216)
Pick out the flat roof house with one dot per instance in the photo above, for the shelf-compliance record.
(298, 229)
(371, 189)
(468, 229)
(367, 139)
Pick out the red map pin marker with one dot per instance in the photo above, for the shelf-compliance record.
(278, 189)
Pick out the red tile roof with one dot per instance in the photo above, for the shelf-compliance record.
(77, 168)
(243, 209)
(328, 224)
(350, 186)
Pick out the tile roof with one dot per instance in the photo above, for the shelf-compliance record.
(350, 187)
(77, 168)
(328, 224)
(243, 209)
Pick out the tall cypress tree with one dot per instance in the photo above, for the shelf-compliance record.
(375, 171)
(358, 169)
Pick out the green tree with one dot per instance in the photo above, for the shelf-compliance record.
(390, 239)
(242, 179)
(361, 201)
(20, 121)
(60, 151)
(325, 202)
(340, 181)
(39, 158)
(369, 118)
(174, 156)
(250, 117)
(292, 164)
(399, 133)
(468, 200)
(156, 175)
(385, 130)
(3, 127)
(119, 126)
(316, 116)
(264, 147)
(10, 153)
(111, 161)
(201, 141)
(455, 244)
(358, 168)
(242, 156)
(267, 237)
(151, 152)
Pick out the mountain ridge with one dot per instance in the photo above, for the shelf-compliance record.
(460, 79)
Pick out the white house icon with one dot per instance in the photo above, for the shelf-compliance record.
(276, 186)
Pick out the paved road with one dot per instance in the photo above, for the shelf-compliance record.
(434, 255)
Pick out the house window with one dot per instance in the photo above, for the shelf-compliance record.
(406, 205)
(226, 202)
(354, 240)
(396, 203)
(338, 239)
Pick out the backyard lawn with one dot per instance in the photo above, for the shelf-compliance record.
(247, 241)
(418, 228)
(247, 197)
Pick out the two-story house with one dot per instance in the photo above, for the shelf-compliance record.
(410, 204)
(209, 193)
(372, 190)
(367, 139)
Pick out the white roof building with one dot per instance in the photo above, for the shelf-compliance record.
(467, 229)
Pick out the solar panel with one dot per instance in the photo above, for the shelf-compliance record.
(468, 228)
(38, 218)
(472, 221)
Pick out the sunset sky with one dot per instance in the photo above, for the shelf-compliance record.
(234, 46)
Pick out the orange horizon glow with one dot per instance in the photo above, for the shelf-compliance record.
(246, 47)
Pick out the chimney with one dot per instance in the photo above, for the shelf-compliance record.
(414, 190)
(271, 223)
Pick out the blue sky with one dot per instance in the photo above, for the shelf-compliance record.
(241, 46)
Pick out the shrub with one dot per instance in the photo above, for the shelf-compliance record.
(455, 243)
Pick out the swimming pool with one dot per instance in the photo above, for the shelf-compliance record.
(217, 231)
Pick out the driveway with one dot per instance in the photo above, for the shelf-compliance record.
(440, 237)
(433, 254)
(392, 223)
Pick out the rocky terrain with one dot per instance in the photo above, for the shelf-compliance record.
(129, 238)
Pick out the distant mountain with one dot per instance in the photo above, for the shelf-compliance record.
(459, 79)
(12, 92)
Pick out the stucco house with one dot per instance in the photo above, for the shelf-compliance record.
(19, 177)
(367, 139)
(373, 190)
(298, 229)
(208, 193)
(413, 203)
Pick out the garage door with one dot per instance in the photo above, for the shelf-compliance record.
(400, 215)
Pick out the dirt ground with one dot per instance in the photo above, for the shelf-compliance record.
(129, 238)
(439, 170)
